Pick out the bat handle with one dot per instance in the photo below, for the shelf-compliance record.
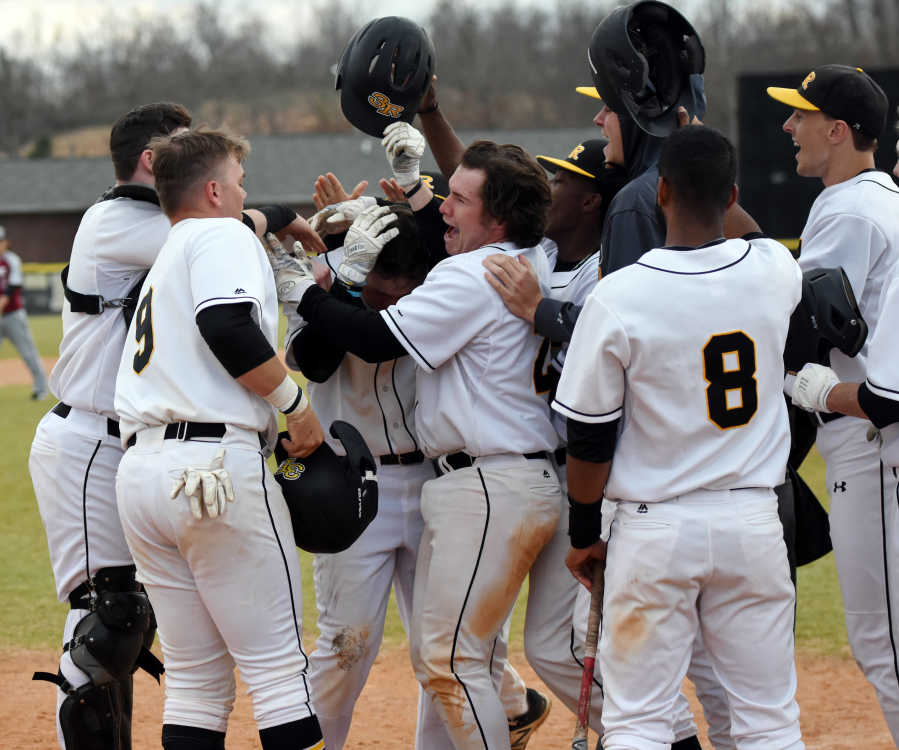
(583, 708)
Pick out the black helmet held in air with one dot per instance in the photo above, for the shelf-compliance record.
(642, 57)
(384, 72)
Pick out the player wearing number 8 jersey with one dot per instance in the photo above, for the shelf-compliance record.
(676, 368)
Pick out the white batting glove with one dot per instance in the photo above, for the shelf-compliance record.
(337, 217)
(364, 241)
(812, 385)
(294, 273)
(208, 488)
(404, 146)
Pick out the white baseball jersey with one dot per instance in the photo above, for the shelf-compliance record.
(116, 242)
(686, 347)
(167, 372)
(883, 366)
(378, 399)
(469, 347)
(853, 224)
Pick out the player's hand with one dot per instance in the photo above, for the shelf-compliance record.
(404, 147)
(811, 387)
(683, 118)
(305, 431)
(583, 562)
(208, 488)
(364, 241)
(328, 190)
(302, 230)
(516, 282)
(429, 100)
(337, 217)
(294, 274)
(392, 191)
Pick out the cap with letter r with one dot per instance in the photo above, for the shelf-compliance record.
(586, 159)
(842, 92)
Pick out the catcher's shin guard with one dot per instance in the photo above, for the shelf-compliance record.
(108, 645)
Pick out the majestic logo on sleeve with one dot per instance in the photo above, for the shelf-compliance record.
(291, 469)
(384, 106)
(808, 79)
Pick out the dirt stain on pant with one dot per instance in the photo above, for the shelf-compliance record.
(350, 645)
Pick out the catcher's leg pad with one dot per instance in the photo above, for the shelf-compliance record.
(90, 717)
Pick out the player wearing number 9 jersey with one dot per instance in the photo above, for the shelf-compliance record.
(678, 359)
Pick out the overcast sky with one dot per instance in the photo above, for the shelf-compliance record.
(31, 25)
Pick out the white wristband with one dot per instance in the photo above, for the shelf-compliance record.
(287, 397)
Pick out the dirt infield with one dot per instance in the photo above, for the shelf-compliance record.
(14, 372)
(838, 707)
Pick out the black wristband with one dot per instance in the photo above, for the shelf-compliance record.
(584, 522)
(296, 402)
(277, 217)
(433, 108)
(415, 189)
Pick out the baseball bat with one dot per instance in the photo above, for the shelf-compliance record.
(579, 742)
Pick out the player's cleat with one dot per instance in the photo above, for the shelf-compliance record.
(39, 395)
(522, 727)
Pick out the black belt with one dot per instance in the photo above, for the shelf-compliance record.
(63, 410)
(561, 455)
(462, 460)
(402, 459)
(825, 417)
(191, 431)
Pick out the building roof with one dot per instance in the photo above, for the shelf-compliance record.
(280, 169)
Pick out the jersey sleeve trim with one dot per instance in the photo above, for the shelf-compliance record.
(581, 416)
(226, 301)
(406, 343)
(883, 391)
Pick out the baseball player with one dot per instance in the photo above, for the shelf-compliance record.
(76, 448)
(838, 114)
(14, 321)
(496, 502)
(683, 351)
(206, 522)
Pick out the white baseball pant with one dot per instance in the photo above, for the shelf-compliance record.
(864, 529)
(484, 527)
(714, 562)
(226, 591)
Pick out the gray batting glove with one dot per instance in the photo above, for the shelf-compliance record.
(208, 488)
(364, 241)
(337, 217)
(812, 385)
(404, 146)
(294, 273)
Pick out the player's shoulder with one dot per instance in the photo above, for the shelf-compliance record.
(865, 196)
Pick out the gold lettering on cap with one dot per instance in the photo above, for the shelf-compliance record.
(384, 106)
(577, 151)
(808, 79)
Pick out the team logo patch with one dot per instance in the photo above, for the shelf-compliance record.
(576, 152)
(384, 106)
(291, 469)
(808, 79)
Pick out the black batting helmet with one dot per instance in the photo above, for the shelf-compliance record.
(642, 57)
(826, 317)
(331, 498)
(384, 72)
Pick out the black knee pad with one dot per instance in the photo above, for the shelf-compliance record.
(180, 737)
(89, 718)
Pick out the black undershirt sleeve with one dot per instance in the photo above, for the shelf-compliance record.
(881, 411)
(234, 337)
(593, 442)
(555, 319)
(317, 354)
(361, 331)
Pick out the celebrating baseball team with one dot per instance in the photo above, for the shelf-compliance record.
(605, 377)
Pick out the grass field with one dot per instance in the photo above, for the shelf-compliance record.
(32, 618)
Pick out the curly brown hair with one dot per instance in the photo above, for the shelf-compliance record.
(515, 189)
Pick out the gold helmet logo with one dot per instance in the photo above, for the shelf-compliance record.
(576, 152)
(383, 105)
(808, 79)
(290, 468)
